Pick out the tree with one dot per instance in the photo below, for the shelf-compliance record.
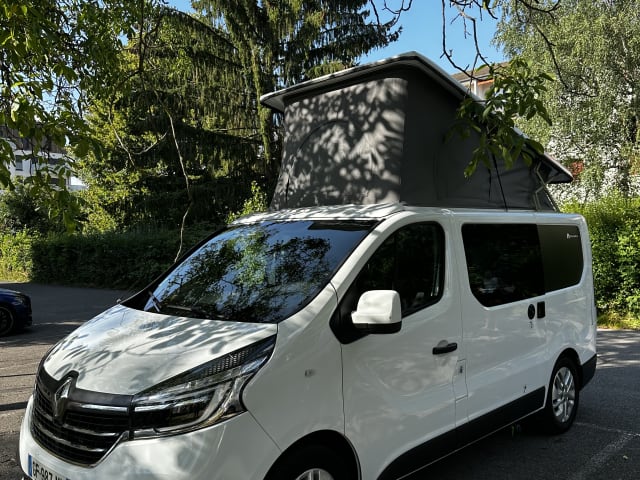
(20, 209)
(179, 118)
(51, 53)
(283, 42)
(59, 56)
(594, 50)
(188, 105)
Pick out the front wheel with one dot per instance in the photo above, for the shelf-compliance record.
(563, 397)
(312, 462)
(6, 321)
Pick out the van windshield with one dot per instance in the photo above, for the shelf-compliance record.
(260, 273)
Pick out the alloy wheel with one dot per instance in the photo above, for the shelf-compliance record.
(315, 474)
(563, 394)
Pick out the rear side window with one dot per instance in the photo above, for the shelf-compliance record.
(504, 262)
(511, 262)
(561, 256)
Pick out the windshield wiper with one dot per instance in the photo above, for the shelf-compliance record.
(196, 311)
(155, 303)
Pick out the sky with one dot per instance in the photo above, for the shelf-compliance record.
(422, 32)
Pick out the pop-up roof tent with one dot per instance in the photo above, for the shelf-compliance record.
(378, 133)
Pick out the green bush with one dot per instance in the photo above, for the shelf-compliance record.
(15, 256)
(256, 203)
(614, 226)
(112, 260)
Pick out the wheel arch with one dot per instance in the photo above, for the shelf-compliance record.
(329, 439)
(572, 355)
(8, 306)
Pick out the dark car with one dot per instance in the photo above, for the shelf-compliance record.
(15, 311)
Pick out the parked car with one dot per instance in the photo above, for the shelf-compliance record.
(337, 342)
(15, 311)
(387, 311)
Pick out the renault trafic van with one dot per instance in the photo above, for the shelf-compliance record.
(346, 342)
(386, 312)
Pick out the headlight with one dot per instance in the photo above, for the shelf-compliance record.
(199, 397)
(20, 300)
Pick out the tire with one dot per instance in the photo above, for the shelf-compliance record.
(563, 397)
(7, 321)
(313, 462)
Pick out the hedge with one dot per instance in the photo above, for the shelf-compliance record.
(16, 260)
(614, 227)
(113, 260)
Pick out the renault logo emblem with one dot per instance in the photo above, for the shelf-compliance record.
(60, 399)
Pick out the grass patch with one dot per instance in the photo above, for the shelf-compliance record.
(618, 321)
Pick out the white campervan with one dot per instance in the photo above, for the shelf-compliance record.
(332, 341)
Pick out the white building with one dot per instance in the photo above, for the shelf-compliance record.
(50, 156)
(478, 83)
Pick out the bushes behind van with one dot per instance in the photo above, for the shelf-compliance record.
(126, 260)
(614, 226)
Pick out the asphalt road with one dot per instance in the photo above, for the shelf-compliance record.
(603, 444)
(57, 311)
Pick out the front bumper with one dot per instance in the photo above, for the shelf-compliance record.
(23, 315)
(236, 448)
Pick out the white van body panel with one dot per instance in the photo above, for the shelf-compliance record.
(302, 379)
(571, 314)
(506, 352)
(392, 404)
(386, 395)
(125, 351)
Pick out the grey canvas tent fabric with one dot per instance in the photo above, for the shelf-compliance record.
(379, 133)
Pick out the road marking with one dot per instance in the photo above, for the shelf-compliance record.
(607, 429)
(599, 459)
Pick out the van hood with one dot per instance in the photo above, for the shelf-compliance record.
(124, 351)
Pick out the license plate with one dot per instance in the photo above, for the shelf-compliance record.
(38, 471)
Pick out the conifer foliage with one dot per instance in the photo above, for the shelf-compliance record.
(186, 111)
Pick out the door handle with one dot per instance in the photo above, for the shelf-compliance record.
(540, 310)
(444, 347)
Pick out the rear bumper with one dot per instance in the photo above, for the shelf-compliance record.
(589, 370)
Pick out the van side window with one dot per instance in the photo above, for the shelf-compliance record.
(561, 256)
(411, 262)
(504, 262)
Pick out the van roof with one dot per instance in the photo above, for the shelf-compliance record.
(277, 100)
(385, 210)
(333, 212)
(381, 133)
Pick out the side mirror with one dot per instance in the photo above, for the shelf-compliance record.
(378, 311)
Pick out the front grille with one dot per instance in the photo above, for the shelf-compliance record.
(86, 431)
